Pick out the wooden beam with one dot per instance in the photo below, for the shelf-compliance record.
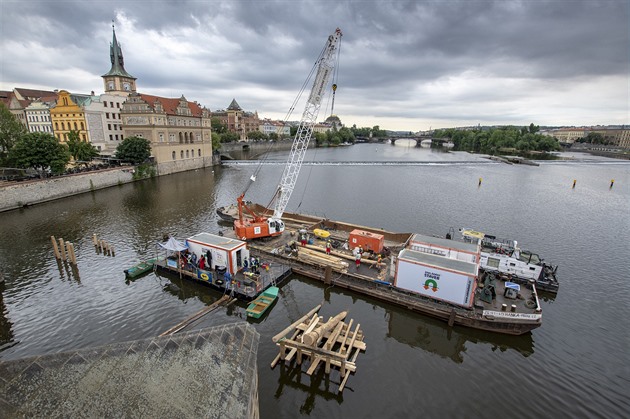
(280, 335)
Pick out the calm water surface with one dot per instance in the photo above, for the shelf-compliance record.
(576, 364)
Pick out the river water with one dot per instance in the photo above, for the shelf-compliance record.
(576, 364)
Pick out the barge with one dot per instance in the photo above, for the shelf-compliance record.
(434, 276)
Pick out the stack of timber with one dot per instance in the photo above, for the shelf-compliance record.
(312, 254)
(334, 343)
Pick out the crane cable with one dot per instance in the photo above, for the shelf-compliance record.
(252, 179)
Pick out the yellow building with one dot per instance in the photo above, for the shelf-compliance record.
(68, 115)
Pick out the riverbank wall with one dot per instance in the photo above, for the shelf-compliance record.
(16, 195)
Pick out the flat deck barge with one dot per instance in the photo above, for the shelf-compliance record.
(492, 307)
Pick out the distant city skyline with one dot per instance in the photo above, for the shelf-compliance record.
(404, 66)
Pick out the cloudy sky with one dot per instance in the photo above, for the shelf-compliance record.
(404, 65)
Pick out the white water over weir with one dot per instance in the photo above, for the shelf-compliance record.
(356, 163)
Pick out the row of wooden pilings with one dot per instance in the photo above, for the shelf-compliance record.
(64, 250)
(103, 246)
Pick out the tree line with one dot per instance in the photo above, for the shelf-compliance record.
(494, 140)
(44, 153)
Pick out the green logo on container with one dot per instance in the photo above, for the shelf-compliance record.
(431, 283)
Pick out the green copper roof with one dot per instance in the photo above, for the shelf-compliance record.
(116, 57)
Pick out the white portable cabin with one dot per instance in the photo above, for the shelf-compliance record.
(452, 249)
(226, 252)
(436, 277)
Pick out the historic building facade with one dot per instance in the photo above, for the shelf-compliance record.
(38, 115)
(237, 120)
(68, 115)
(102, 114)
(267, 126)
(179, 130)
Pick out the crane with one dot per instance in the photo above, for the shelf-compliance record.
(259, 226)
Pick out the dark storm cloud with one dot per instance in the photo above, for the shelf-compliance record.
(397, 57)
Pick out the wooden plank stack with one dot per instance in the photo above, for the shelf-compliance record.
(333, 343)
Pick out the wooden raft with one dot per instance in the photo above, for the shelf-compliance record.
(333, 342)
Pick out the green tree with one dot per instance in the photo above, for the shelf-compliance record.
(229, 137)
(218, 126)
(533, 129)
(216, 141)
(320, 138)
(40, 151)
(81, 151)
(134, 150)
(11, 130)
(257, 136)
(595, 138)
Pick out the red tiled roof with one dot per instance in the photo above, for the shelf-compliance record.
(32, 93)
(170, 104)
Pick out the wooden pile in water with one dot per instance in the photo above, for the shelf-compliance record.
(333, 342)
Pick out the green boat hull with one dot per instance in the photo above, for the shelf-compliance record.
(140, 268)
(261, 304)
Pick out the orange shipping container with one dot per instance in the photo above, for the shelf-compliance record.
(367, 240)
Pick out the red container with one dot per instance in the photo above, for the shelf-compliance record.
(367, 240)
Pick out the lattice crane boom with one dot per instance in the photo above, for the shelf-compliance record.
(326, 65)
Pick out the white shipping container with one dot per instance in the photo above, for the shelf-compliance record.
(230, 253)
(468, 252)
(444, 279)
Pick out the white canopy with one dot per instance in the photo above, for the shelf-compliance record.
(174, 245)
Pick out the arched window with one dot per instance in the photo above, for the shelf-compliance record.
(187, 154)
(82, 127)
(191, 137)
(63, 126)
(75, 126)
(181, 153)
(199, 152)
(57, 126)
(181, 138)
(174, 155)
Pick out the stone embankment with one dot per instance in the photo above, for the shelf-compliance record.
(14, 195)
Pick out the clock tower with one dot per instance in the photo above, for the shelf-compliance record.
(117, 80)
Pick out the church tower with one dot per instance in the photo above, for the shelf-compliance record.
(117, 80)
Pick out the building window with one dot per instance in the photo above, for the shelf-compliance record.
(174, 155)
(82, 126)
(83, 136)
(199, 152)
(109, 127)
(105, 104)
(111, 137)
(161, 137)
(111, 104)
(181, 153)
(107, 115)
(187, 155)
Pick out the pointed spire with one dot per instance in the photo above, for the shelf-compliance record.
(116, 57)
(234, 106)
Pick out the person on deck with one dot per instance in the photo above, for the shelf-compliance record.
(328, 247)
(202, 262)
(357, 259)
